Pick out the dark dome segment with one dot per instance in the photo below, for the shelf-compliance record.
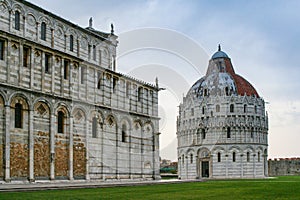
(219, 54)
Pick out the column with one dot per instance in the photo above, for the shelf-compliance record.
(242, 166)
(52, 147)
(254, 167)
(8, 60)
(197, 167)
(129, 152)
(52, 74)
(71, 149)
(117, 153)
(179, 168)
(87, 175)
(31, 67)
(226, 156)
(7, 143)
(31, 147)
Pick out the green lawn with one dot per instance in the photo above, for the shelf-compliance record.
(278, 188)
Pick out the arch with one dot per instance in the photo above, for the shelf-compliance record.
(19, 97)
(18, 7)
(45, 101)
(111, 120)
(203, 152)
(46, 20)
(79, 114)
(127, 121)
(233, 148)
(190, 150)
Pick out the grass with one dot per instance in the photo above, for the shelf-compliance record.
(278, 188)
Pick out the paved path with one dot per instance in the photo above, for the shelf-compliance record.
(56, 185)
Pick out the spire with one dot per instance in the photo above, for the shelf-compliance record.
(91, 23)
(219, 47)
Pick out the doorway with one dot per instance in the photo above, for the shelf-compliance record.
(205, 169)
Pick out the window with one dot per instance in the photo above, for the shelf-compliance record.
(60, 121)
(205, 92)
(1, 49)
(123, 133)
(251, 134)
(89, 51)
(203, 133)
(115, 80)
(248, 157)
(228, 132)
(140, 93)
(71, 43)
(17, 20)
(99, 80)
(66, 69)
(18, 115)
(191, 158)
(258, 157)
(192, 111)
(203, 110)
(233, 157)
(26, 56)
(183, 159)
(227, 91)
(94, 127)
(219, 157)
(82, 75)
(43, 31)
(127, 89)
(217, 108)
(231, 108)
(245, 108)
(255, 109)
(47, 63)
(94, 52)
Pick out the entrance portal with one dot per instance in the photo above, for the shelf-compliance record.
(205, 169)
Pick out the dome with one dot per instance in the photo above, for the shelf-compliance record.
(219, 54)
(222, 80)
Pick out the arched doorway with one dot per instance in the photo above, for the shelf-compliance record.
(204, 163)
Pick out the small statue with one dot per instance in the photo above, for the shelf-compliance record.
(112, 28)
(91, 22)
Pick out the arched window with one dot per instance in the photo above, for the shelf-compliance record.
(248, 157)
(255, 109)
(94, 52)
(203, 110)
(183, 159)
(227, 91)
(228, 132)
(217, 108)
(203, 133)
(71, 43)
(140, 93)
(60, 121)
(231, 108)
(123, 133)
(17, 20)
(219, 157)
(18, 115)
(252, 132)
(233, 157)
(43, 31)
(205, 92)
(94, 127)
(245, 108)
(191, 158)
(258, 156)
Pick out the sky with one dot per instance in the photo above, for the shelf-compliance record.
(174, 40)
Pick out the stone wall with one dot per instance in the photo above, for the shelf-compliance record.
(284, 166)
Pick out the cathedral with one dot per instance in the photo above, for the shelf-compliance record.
(65, 111)
(222, 127)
